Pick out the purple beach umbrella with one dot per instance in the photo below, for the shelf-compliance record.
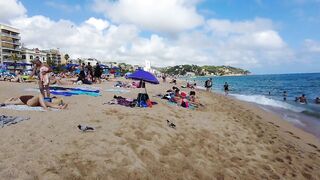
(143, 76)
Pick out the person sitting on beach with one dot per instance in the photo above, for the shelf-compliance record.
(184, 101)
(174, 81)
(193, 100)
(303, 99)
(317, 101)
(33, 101)
(176, 97)
(18, 77)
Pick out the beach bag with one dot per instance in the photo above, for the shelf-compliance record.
(142, 99)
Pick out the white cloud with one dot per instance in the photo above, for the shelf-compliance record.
(100, 24)
(159, 16)
(10, 9)
(248, 44)
(249, 47)
(312, 46)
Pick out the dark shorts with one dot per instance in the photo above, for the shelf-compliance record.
(98, 75)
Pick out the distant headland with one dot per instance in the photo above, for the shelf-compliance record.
(206, 70)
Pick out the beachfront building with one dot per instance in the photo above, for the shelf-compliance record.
(27, 55)
(54, 56)
(63, 58)
(9, 44)
(190, 74)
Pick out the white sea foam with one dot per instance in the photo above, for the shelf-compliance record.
(263, 100)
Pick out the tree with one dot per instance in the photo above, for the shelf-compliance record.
(66, 56)
(50, 62)
(15, 58)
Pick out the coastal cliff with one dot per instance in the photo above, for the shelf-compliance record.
(195, 70)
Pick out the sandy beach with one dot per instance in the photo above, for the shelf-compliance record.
(226, 139)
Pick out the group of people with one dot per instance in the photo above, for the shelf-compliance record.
(301, 99)
(88, 74)
(182, 98)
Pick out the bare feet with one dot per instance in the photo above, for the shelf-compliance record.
(63, 106)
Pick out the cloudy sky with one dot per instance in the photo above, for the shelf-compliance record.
(264, 36)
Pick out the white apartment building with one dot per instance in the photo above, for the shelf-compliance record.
(28, 55)
(53, 55)
(9, 44)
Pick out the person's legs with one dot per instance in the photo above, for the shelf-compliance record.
(13, 101)
(47, 90)
(41, 87)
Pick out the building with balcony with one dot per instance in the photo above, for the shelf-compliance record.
(27, 55)
(9, 44)
(53, 55)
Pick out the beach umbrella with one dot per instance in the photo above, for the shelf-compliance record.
(143, 76)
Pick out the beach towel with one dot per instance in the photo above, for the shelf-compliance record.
(25, 108)
(117, 91)
(8, 120)
(56, 90)
(175, 104)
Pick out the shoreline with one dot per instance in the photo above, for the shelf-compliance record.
(278, 120)
(227, 138)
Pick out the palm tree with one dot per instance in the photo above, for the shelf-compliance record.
(15, 58)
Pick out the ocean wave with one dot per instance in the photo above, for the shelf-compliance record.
(263, 100)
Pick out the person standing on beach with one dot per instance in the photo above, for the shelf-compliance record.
(90, 71)
(97, 73)
(43, 85)
(284, 95)
(226, 88)
(208, 84)
(164, 78)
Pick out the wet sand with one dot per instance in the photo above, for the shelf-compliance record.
(227, 139)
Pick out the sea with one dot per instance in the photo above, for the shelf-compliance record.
(266, 91)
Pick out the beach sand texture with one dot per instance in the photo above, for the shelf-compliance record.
(227, 139)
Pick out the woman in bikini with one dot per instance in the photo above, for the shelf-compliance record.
(33, 101)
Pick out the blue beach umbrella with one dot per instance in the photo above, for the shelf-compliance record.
(143, 76)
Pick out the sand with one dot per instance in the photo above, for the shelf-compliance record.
(227, 139)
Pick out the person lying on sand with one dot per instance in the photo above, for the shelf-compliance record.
(60, 81)
(18, 77)
(33, 101)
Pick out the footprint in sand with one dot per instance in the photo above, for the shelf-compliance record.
(312, 145)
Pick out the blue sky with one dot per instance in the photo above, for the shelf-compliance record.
(284, 33)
